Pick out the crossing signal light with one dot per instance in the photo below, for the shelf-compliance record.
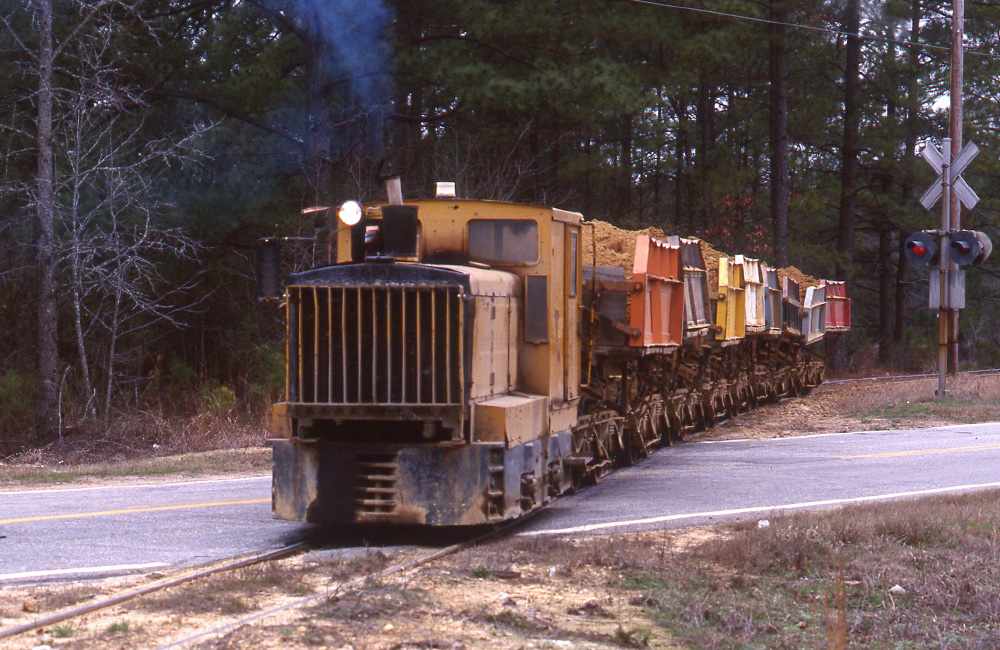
(969, 247)
(921, 249)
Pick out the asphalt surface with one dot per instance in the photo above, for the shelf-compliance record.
(74, 533)
(701, 483)
(101, 531)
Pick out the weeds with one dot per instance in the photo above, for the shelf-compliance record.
(373, 603)
(638, 637)
(62, 631)
(120, 627)
(231, 593)
(509, 619)
(483, 572)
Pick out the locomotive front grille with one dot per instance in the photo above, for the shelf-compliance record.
(366, 346)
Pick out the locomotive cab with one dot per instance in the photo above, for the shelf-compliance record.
(433, 369)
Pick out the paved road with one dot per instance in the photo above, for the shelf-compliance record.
(72, 533)
(76, 532)
(704, 482)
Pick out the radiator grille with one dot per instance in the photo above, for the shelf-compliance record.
(375, 345)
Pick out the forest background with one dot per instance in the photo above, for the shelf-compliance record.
(147, 144)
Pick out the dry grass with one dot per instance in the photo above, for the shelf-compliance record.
(970, 398)
(226, 462)
(824, 580)
(148, 433)
(868, 406)
(146, 445)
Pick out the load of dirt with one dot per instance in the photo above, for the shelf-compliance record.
(616, 247)
(804, 281)
(711, 257)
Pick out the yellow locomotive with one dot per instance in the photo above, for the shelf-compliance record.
(463, 362)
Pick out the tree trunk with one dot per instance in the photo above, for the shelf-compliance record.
(885, 279)
(849, 160)
(81, 347)
(779, 134)
(112, 350)
(47, 399)
(849, 147)
(680, 158)
(703, 115)
(910, 128)
(318, 140)
(899, 330)
(885, 227)
(625, 169)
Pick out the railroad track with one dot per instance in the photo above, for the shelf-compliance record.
(247, 561)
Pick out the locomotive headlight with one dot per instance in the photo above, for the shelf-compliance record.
(350, 213)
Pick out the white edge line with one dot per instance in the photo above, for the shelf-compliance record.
(82, 570)
(142, 485)
(844, 433)
(757, 509)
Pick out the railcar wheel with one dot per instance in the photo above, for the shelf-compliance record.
(630, 455)
(667, 433)
(646, 435)
(798, 385)
(710, 416)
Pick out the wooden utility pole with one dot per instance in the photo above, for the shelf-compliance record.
(47, 400)
(955, 132)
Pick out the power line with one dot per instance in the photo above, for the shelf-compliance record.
(828, 30)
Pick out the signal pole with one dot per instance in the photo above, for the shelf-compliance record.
(957, 247)
(951, 205)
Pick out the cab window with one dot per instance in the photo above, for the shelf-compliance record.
(503, 241)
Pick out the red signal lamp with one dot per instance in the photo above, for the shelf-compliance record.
(921, 248)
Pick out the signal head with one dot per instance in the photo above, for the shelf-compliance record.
(921, 248)
(969, 247)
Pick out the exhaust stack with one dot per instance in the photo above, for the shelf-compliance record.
(399, 227)
(394, 190)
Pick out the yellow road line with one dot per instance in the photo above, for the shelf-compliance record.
(923, 452)
(125, 511)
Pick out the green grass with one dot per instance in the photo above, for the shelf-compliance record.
(483, 572)
(120, 627)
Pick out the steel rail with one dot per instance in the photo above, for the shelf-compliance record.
(142, 591)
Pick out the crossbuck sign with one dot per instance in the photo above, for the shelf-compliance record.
(936, 160)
